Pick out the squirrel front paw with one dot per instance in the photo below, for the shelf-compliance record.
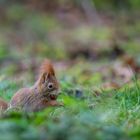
(55, 103)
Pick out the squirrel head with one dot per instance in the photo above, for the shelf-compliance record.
(48, 83)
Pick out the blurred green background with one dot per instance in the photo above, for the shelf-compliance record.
(67, 32)
(94, 46)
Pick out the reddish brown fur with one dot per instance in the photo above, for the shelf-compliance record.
(47, 67)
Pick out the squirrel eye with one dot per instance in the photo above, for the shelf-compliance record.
(50, 85)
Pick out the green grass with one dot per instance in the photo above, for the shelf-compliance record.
(110, 115)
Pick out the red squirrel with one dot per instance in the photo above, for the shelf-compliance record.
(41, 95)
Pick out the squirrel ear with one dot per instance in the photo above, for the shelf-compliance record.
(47, 67)
(42, 78)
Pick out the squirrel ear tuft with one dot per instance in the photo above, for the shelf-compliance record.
(47, 67)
